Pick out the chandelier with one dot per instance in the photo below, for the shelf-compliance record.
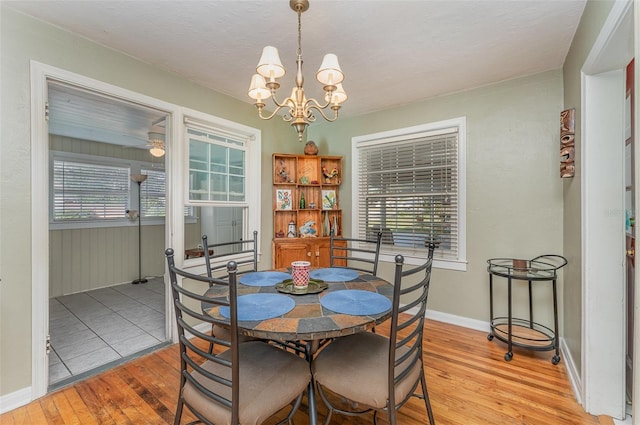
(299, 110)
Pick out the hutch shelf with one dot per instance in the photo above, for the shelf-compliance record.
(306, 207)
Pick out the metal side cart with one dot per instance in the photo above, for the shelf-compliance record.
(521, 332)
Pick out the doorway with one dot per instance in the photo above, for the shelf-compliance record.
(603, 215)
(88, 263)
(630, 207)
(106, 286)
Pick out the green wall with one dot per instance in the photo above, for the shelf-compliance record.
(514, 192)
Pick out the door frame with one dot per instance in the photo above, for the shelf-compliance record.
(40, 75)
(603, 232)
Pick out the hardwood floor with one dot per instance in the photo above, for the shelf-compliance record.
(469, 383)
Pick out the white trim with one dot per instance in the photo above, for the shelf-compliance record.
(572, 370)
(602, 375)
(603, 241)
(615, 19)
(15, 399)
(39, 231)
(465, 322)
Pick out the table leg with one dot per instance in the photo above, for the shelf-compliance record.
(310, 350)
(509, 355)
(556, 358)
(491, 322)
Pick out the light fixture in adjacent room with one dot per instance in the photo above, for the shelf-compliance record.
(299, 109)
(139, 178)
(156, 143)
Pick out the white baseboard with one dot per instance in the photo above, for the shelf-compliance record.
(15, 399)
(572, 371)
(465, 322)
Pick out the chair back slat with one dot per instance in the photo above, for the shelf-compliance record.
(356, 254)
(188, 300)
(237, 250)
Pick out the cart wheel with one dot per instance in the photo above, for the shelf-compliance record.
(490, 337)
(555, 359)
(508, 356)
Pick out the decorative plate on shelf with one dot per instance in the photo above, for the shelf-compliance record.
(315, 286)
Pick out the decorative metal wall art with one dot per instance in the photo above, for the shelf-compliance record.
(567, 142)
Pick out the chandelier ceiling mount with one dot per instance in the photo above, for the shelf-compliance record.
(299, 110)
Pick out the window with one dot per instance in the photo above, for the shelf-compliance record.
(222, 158)
(153, 198)
(87, 191)
(94, 191)
(410, 184)
(216, 167)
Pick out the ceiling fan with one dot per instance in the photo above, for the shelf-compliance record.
(156, 141)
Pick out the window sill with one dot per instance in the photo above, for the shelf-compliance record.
(416, 258)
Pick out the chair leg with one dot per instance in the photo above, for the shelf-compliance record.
(178, 417)
(211, 343)
(392, 416)
(294, 409)
(425, 395)
(328, 418)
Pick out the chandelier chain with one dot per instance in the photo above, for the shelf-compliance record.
(299, 33)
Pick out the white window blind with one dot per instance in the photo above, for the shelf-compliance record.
(89, 192)
(153, 194)
(408, 188)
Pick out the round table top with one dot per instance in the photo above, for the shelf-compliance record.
(309, 320)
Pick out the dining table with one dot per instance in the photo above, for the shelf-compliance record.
(338, 302)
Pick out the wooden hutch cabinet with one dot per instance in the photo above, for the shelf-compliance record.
(306, 208)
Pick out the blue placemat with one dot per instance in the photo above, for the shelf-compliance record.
(260, 306)
(356, 302)
(334, 274)
(263, 278)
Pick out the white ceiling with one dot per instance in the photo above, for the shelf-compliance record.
(392, 52)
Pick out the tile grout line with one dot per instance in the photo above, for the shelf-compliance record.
(120, 356)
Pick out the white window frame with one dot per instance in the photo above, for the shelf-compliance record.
(252, 137)
(417, 256)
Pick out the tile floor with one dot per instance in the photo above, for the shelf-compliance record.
(109, 325)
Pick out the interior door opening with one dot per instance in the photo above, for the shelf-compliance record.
(107, 202)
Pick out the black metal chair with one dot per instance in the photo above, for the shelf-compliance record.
(222, 252)
(216, 264)
(357, 254)
(373, 371)
(246, 383)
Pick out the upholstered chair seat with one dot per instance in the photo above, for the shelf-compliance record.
(364, 358)
(269, 379)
